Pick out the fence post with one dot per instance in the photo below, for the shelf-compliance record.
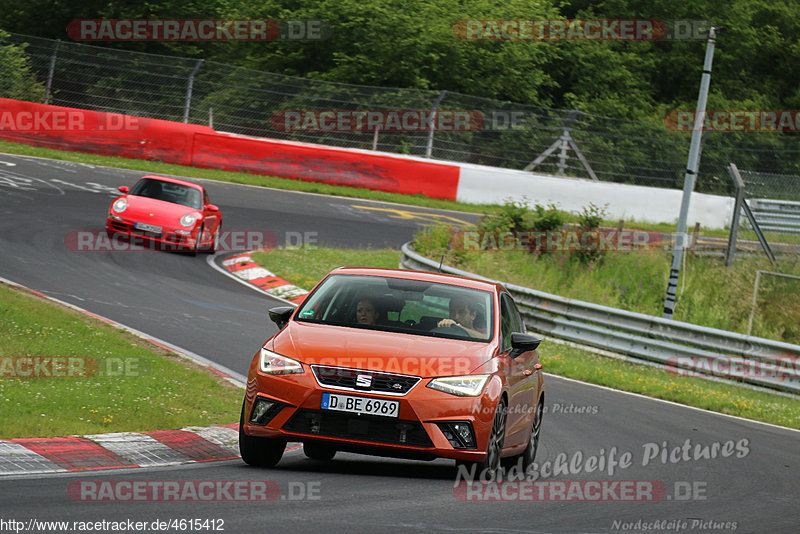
(189, 90)
(737, 210)
(429, 150)
(689, 178)
(51, 72)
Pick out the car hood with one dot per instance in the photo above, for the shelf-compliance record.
(357, 348)
(158, 212)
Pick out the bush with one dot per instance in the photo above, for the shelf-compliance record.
(589, 219)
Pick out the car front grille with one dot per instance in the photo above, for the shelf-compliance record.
(122, 227)
(356, 380)
(358, 427)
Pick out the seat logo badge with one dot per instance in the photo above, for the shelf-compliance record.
(363, 381)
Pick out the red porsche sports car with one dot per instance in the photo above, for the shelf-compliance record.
(397, 363)
(172, 213)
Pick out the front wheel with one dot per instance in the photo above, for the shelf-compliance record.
(213, 247)
(318, 451)
(529, 454)
(259, 452)
(489, 468)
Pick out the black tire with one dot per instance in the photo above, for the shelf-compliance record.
(318, 451)
(529, 454)
(193, 251)
(259, 452)
(213, 247)
(490, 467)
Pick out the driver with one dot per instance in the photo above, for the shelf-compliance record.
(366, 312)
(463, 314)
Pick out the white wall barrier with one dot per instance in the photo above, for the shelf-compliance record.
(490, 185)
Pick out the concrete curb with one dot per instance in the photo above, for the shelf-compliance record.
(242, 267)
(118, 450)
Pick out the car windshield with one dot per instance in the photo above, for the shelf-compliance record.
(168, 192)
(400, 305)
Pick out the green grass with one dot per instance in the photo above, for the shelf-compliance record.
(305, 266)
(709, 294)
(654, 382)
(119, 383)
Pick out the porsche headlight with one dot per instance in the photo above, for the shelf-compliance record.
(120, 205)
(273, 363)
(461, 386)
(188, 220)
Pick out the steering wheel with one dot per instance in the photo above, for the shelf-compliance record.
(452, 329)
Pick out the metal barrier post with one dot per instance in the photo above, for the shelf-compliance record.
(737, 210)
(189, 90)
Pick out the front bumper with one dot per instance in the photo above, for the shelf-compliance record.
(167, 240)
(413, 433)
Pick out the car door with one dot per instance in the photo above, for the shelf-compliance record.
(522, 376)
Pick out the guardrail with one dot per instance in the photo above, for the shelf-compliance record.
(682, 348)
(776, 215)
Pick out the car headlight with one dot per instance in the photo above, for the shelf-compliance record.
(273, 363)
(120, 205)
(461, 386)
(188, 220)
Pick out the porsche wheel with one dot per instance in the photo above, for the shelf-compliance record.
(259, 452)
(193, 251)
(212, 248)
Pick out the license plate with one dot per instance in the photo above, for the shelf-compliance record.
(147, 227)
(360, 405)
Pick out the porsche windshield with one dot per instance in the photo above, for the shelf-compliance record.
(401, 305)
(168, 192)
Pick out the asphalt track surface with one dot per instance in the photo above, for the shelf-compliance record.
(751, 484)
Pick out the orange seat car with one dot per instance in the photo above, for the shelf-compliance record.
(397, 363)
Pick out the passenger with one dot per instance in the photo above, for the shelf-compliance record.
(463, 314)
(366, 312)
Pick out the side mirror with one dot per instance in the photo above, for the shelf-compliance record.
(280, 315)
(212, 208)
(123, 189)
(521, 343)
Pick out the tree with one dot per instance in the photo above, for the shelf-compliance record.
(17, 81)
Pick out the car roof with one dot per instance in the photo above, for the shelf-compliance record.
(442, 278)
(172, 180)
